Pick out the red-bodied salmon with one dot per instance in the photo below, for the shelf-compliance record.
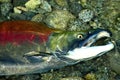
(28, 47)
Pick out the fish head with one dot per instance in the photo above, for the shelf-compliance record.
(80, 47)
(62, 42)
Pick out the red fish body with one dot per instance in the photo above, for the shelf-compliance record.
(17, 32)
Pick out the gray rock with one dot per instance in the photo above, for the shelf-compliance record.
(28, 15)
(77, 25)
(74, 24)
(75, 7)
(46, 6)
(86, 15)
(5, 8)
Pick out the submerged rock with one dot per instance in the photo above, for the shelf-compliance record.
(74, 24)
(32, 4)
(86, 15)
(5, 8)
(75, 7)
(46, 6)
(77, 25)
(16, 16)
(59, 19)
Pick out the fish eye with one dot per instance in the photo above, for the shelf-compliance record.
(80, 36)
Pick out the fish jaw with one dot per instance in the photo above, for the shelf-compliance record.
(89, 52)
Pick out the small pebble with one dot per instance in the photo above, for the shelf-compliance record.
(16, 10)
(19, 9)
(93, 24)
(90, 76)
(86, 15)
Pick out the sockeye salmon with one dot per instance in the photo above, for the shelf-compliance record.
(28, 47)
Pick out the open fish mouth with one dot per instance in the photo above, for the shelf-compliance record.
(94, 45)
(98, 35)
